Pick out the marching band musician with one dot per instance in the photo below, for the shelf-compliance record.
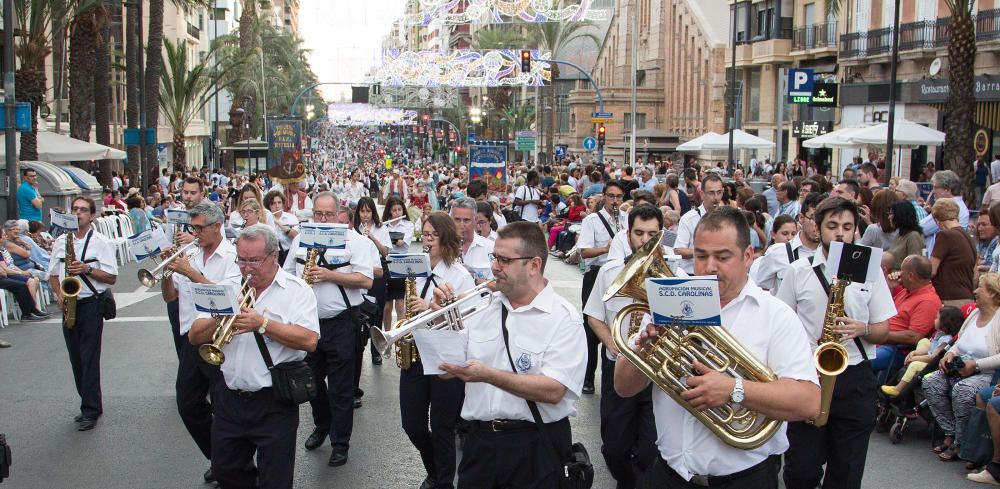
(627, 427)
(213, 261)
(192, 192)
(248, 418)
(596, 234)
(96, 266)
(691, 455)
(337, 286)
(773, 265)
(419, 392)
(399, 235)
(530, 325)
(841, 444)
(367, 223)
(475, 249)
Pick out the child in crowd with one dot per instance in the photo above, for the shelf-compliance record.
(947, 324)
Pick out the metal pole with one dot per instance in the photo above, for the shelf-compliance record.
(635, 74)
(732, 96)
(10, 108)
(892, 91)
(263, 95)
(215, 81)
(600, 97)
(781, 114)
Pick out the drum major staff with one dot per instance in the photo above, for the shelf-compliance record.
(248, 418)
(503, 447)
(96, 266)
(691, 455)
(213, 261)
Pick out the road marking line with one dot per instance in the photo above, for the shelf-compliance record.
(130, 319)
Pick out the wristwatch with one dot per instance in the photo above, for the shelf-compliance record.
(263, 327)
(737, 395)
(90, 269)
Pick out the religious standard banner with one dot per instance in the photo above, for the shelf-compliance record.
(489, 163)
(284, 151)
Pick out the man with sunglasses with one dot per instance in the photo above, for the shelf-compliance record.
(248, 417)
(339, 280)
(779, 256)
(212, 261)
(96, 265)
(523, 347)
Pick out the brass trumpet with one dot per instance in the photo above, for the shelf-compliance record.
(224, 332)
(149, 278)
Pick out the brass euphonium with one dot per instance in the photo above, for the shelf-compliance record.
(311, 256)
(70, 286)
(670, 360)
(224, 332)
(830, 356)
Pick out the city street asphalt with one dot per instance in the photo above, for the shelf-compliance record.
(140, 441)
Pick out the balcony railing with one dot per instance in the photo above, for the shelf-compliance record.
(928, 34)
(815, 36)
(194, 31)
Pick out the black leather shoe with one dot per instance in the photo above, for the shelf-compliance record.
(316, 439)
(337, 459)
(32, 317)
(427, 484)
(209, 476)
(86, 424)
(78, 418)
(357, 402)
(588, 389)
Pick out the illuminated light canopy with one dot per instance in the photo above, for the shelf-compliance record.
(503, 11)
(368, 115)
(439, 97)
(501, 67)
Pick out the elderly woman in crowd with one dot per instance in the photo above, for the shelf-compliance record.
(966, 368)
(957, 251)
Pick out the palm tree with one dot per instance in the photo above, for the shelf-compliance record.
(517, 117)
(154, 63)
(85, 36)
(183, 93)
(499, 37)
(553, 37)
(102, 93)
(132, 111)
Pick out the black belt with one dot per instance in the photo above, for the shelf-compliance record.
(498, 425)
(248, 395)
(721, 480)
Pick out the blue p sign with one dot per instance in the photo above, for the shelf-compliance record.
(800, 82)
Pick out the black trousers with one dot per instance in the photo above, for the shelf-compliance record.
(21, 294)
(333, 365)
(518, 459)
(83, 342)
(429, 408)
(592, 341)
(193, 386)
(247, 424)
(628, 429)
(761, 476)
(841, 444)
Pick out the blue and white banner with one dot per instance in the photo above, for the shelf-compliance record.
(144, 245)
(327, 236)
(688, 301)
(64, 220)
(403, 265)
(216, 299)
(177, 216)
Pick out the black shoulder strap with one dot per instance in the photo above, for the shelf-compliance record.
(792, 256)
(263, 350)
(826, 288)
(427, 285)
(606, 225)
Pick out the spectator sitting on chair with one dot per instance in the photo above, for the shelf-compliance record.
(26, 255)
(23, 287)
(948, 321)
(917, 306)
(38, 234)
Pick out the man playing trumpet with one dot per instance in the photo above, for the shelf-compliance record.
(212, 261)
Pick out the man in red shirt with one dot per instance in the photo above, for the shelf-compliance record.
(917, 306)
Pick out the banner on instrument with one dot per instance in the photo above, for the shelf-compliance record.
(215, 299)
(63, 220)
(326, 236)
(284, 151)
(177, 216)
(489, 163)
(403, 265)
(144, 245)
(688, 301)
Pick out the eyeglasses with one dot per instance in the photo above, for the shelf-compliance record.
(324, 214)
(614, 196)
(433, 234)
(80, 209)
(251, 262)
(504, 261)
(803, 216)
(249, 211)
(200, 227)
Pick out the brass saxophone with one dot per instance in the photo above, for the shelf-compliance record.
(311, 256)
(615, 217)
(70, 286)
(830, 356)
(670, 360)
(406, 348)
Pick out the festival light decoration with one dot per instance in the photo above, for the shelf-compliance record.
(440, 97)
(492, 68)
(369, 115)
(503, 11)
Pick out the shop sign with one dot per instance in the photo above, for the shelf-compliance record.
(987, 88)
(824, 95)
(810, 129)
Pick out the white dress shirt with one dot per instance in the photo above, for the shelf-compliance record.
(546, 338)
(606, 311)
(772, 333)
(771, 267)
(287, 300)
(363, 257)
(454, 275)
(529, 212)
(870, 302)
(477, 259)
(219, 267)
(354, 192)
(685, 234)
(100, 254)
(287, 219)
(401, 226)
(594, 234)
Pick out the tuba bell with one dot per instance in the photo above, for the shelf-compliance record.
(224, 332)
(670, 360)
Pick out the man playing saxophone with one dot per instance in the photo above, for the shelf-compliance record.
(248, 418)
(690, 454)
(338, 284)
(212, 261)
(96, 266)
(842, 443)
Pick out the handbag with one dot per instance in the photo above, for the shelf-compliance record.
(578, 471)
(292, 382)
(977, 443)
(109, 308)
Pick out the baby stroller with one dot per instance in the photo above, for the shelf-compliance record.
(896, 414)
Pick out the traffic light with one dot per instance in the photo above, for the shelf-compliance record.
(458, 149)
(601, 131)
(426, 117)
(525, 61)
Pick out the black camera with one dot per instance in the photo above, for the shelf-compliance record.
(953, 367)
